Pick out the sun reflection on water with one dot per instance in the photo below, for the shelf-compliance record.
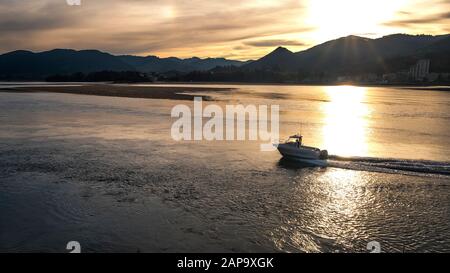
(345, 123)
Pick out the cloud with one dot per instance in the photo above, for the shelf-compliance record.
(245, 29)
(144, 27)
(274, 42)
(430, 19)
(31, 16)
(402, 12)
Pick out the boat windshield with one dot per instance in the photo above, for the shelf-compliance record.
(294, 140)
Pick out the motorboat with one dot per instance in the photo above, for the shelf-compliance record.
(293, 149)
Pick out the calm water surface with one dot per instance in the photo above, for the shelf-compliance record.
(105, 172)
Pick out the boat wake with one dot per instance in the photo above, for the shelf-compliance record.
(390, 165)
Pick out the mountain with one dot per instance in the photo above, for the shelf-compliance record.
(352, 54)
(210, 63)
(402, 44)
(438, 53)
(156, 64)
(27, 65)
(279, 59)
(346, 56)
(441, 45)
(337, 55)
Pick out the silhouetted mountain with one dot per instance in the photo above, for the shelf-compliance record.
(438, 53)
(210, 63)
(279, 59)
(441, 45)
(28, 65)
(402, 44)
(346, 56)
(351, 54)
(156, 64)
(337, 55)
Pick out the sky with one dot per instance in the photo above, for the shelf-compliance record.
(234, 29)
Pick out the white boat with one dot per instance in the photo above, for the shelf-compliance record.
(294, 150)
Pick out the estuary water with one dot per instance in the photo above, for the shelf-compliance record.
(105, 172)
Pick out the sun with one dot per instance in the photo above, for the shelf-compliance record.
(168, 12)
(332, 19)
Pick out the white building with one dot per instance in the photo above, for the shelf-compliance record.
(420, 70)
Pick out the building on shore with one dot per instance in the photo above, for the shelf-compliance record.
(397, 77)
(420, 70)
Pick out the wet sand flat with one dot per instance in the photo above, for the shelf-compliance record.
(129, 91)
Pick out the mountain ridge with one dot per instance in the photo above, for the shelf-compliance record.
(25, 64)
(349, 55)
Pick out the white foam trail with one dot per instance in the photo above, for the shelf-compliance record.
(390, 165)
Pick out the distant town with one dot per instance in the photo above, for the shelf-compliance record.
(418, 73)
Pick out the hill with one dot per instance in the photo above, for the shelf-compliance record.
(353, 54)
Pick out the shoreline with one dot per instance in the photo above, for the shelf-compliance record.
(400, 86)
(394, 85)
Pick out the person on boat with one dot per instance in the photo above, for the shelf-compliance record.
(299, 142)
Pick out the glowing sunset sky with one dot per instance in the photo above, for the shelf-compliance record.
(233, 29)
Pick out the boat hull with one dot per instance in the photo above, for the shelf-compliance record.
(302, 154)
